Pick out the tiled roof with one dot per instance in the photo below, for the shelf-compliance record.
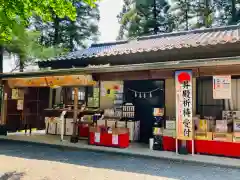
(167, 41)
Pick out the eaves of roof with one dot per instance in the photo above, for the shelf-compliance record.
(131, 67)
(162, 42)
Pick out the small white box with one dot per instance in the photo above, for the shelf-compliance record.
(130, 126)
(236, 125)
(111, 123)
(121, 124)
(52, 128)
(170, 124)
(69, 127)
(169, 132)
(101, 122)
(221, 126)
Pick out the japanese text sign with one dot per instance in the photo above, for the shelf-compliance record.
(221, 87)
(184, 122)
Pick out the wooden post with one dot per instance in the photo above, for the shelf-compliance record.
(3, 130)
(50, 98)
(74, 138)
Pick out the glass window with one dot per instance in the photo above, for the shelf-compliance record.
(81, 94)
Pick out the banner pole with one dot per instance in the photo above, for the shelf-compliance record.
(176, 145)
(193, 147)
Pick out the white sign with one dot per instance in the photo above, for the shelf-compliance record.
(97, 137)
(222, 87)
(184, 122)
(115, 139)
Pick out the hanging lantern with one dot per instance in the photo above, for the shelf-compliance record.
(150, 94)
(140, 95)
(135, 94)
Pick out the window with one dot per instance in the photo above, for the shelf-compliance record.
(81, 94)
(206, 105)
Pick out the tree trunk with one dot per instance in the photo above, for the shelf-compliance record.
(155, 17)
(234, 17)
(21, 63)
(1, 59)
(56, 30)
(206, 14)
(186, 15)
(71, 39)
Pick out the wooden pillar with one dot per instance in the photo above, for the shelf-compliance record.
(3, 129)
(74, 137)
(50, 98)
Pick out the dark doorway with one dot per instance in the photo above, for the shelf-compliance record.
(144, 104)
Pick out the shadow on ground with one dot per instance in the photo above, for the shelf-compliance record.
(12, 176)
(150, 166)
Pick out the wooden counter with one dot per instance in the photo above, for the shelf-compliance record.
(69, 114)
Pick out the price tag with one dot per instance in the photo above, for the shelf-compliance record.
(115, 139)
(97, 137)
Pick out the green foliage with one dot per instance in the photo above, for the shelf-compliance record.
(137, 19)
(68, 34)
(16, 16)
(25, 45)
(15, 11)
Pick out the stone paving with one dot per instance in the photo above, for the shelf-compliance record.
(37, 162)
(135, 149)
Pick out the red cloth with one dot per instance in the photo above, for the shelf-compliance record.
(83, 130)
(106, 140)
(169, 144)
(229, 149)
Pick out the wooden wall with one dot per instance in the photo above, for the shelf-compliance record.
(35, 101)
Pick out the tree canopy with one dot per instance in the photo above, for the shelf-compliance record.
(16, 17)
(139, 17)
(68, 34)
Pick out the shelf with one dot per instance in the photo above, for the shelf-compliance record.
(113, 117)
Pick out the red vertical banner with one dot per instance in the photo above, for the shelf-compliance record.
(184, 122)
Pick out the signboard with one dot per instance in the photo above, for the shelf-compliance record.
(222, 87)
(184, 122)
(70, 80)
(51, 81)
(27, 82)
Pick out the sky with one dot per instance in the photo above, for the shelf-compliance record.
(108, 25)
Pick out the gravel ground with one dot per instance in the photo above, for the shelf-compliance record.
(36, 162)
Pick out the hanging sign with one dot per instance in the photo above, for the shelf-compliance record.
(52, 81)
(184, 122)
(14, 93)
(222, 87)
